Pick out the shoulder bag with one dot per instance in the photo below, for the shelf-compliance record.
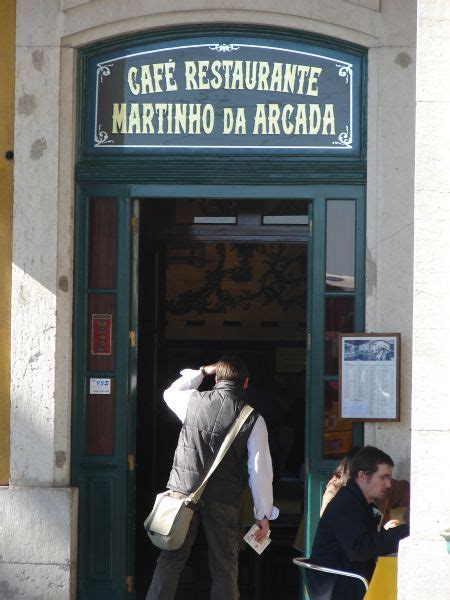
(168, 523)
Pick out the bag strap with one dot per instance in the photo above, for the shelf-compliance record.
(228, 440)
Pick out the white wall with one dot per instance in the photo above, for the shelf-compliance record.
(425, 557)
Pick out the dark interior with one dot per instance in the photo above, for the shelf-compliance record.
(221, 277)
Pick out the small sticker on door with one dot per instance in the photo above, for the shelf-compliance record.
(99, 386)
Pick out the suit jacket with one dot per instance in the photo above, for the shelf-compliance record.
(348, 538)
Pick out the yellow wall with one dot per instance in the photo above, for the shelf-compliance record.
(8, 21)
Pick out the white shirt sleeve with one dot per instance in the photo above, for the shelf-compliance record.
(178, 394)
(260, 471)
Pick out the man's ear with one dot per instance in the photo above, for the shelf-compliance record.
(361, 476)
(245, 383)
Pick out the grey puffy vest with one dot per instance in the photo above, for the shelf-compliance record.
(209, 417)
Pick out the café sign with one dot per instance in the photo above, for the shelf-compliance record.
(223, 94)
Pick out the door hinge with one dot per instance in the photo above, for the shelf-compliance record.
(129, 583)
(134, 225)
(308, 341)
(132, 338)
(131, 462)
(310, 226)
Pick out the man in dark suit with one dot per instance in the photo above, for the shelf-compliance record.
(349, 535)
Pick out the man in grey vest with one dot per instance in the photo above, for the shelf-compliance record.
(206, 418)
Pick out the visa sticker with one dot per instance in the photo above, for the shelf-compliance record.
(99, 386)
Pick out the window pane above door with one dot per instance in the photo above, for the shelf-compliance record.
(282, 212)
(221, 212)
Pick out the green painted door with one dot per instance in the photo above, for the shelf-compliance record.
(102, 465)
(336, 305)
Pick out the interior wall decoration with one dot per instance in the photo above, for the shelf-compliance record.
(237, 286)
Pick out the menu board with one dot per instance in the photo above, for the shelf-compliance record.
(369, 376)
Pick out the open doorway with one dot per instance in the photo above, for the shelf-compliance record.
(219, 277)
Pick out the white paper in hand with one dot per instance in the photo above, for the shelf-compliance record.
(249, 537)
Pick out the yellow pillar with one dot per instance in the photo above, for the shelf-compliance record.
(8, 21)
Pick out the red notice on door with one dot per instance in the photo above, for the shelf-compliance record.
(101, 335)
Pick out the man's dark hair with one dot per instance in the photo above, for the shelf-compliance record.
(367, 459)
(231, 368)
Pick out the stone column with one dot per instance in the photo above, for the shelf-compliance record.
(424, 559)
(38, 509)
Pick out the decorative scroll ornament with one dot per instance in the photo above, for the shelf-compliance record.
(344, 138)
(345, 71)
(101, 137)
(104, 71)
(224, 47)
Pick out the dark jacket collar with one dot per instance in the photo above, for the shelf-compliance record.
(371, 508)
(232, 387)
(356, 491)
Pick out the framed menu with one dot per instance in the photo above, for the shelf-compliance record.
(369, 376)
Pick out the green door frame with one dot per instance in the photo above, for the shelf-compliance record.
(319, 469)
(110, 530)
